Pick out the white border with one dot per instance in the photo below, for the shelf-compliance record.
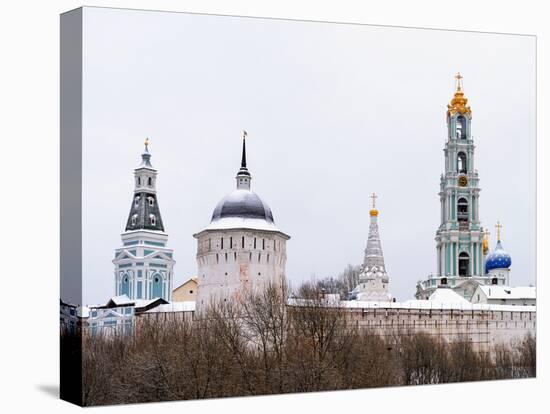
(29, 128)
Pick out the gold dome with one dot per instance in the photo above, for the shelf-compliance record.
(374, 213)
(459, 104)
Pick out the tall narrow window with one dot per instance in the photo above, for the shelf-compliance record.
(263, 244)
(462, 209)
(222, 242)
(462, 166)
(134, 219)
(152, 219)
(461, 127)
(254, 242)
(231, 242)
(136, 201)
(151, 201)
(150, 181)
(463, 264)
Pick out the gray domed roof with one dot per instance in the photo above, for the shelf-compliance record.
(242, 203)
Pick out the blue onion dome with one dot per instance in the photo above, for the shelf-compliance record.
(242, 203)
(498, 259)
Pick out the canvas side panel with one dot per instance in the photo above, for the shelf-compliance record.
(71, 206)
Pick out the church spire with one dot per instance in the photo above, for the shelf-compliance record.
(373, 252)
(146, 156)
(243, 176)
(373, 278)
(145, 212)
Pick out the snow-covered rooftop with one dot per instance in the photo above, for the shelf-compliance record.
(418, 304)
(442, 295)
(225, 223)
(506, 292)
(188, 306)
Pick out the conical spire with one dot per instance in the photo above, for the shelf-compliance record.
(373, 253)
(243, 176)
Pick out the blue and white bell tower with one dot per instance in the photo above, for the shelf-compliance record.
(460, 237)
(144, 265)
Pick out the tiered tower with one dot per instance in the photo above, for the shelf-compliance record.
(459, 238)
(373, 279)
(144, 265)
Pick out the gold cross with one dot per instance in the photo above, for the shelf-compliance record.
(146, 143)
(458, 81)
(498, 227)
(374, 197)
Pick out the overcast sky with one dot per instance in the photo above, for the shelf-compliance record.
(334, 112)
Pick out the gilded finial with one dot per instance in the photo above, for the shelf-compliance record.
(498, 227)
(374, 211)
(459, 104)
(146, 143)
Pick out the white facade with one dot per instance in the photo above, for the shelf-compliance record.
(241, 248)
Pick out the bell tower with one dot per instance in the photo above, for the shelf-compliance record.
(459, 237)
(144, 265)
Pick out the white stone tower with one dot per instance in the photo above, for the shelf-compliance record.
(241, 248)
(144, 265)
(460, 237)
(373, 279)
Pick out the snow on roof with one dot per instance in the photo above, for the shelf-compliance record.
(83, 311)
(506, 292)
(418, 304)
(242, 223)
(121, 300)
(445, 295)
(188, 306)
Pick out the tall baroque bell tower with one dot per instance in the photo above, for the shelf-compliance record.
(459, 238)
(144, 265)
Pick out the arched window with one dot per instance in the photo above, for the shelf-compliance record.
(139, 180)
(494, 281)
(460, 127)
(150, 181)
(464, 264)
(462, 166)
(151, 201)
(134, 219)
(157, 286)
(444, 281)
(152, 219)
(136, 201)
(462, 209)
(125, 285)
